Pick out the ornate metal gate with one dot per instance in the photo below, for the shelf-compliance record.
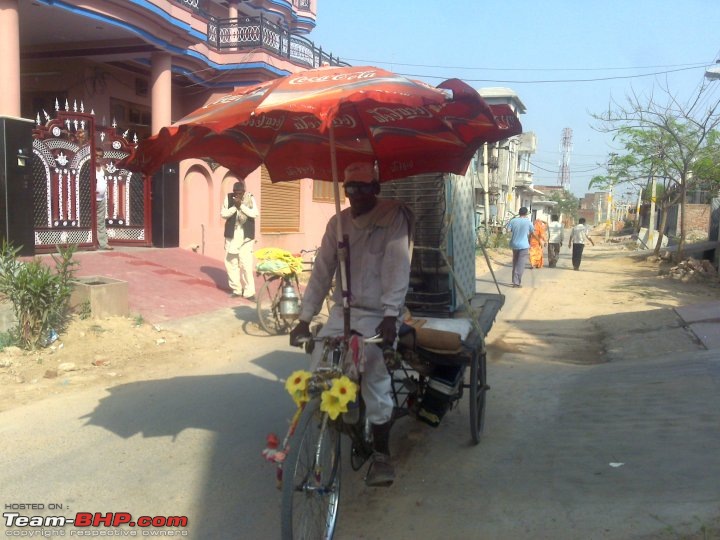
(64, 183)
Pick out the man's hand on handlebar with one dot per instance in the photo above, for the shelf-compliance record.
(301, 330)
(388, 330)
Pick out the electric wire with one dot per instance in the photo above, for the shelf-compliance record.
(553, 81)
(469, 68)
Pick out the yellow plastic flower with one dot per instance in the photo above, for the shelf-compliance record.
(336, 399)
(332, 405)
(344, 389)
(296, 385)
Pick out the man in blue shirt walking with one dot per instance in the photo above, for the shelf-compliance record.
(521, 228)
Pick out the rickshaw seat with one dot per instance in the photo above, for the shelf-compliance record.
(441, 342)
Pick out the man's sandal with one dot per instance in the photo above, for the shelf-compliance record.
(381, 473)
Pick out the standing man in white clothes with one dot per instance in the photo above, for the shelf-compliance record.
(239, 212)
(556, 236)
(101, 201)
(578, 236)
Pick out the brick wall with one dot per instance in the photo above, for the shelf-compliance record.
(698, 217)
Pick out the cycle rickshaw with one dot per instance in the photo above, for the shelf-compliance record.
(441, 358)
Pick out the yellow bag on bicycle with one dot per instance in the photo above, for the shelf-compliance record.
(277, 261)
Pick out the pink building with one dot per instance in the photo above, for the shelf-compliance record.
(140, 65)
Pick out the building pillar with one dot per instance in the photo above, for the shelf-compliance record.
(10, 58)
(161, 91)
(233, 16)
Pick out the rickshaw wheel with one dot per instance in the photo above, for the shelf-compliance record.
(311, 477)
(478, 388)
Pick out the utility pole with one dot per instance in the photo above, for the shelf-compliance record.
(637, 210)
(651, 224)
(486, 188)
(608, 213)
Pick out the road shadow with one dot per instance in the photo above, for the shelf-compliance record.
(595, 340)
(238, 498)
(217, 275)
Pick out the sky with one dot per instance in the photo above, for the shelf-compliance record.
(588, 52)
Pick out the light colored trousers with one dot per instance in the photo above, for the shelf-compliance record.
(100, 211)
(375, 383)
(240, 271)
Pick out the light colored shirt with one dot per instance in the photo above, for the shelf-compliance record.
(100, 185)
(578, 235)
(379, 263)
(520, 228)
(248, 209)
(556, 234)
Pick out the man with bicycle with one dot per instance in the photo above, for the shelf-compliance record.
(379, 234)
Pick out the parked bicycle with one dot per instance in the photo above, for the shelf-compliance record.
(279, 298)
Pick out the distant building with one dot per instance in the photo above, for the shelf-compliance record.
(503, 168)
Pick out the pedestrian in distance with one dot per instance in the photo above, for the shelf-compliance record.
(101, 201)
(240, 212)
(538, 239)
(578, 236)
(379, 233)
(520, 228)
(556, 237)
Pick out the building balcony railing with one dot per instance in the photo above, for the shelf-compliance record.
(523, 178)
(195, 4)
(247, 33)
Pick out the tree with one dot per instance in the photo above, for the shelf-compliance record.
(567, 203)
(706, 170)
(663, 138)
(644, 164)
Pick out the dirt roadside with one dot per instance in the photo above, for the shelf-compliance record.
(562, 320)
(620, 305)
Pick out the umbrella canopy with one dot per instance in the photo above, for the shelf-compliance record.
(365, 113)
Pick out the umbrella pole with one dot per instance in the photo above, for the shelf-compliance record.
(342, 247)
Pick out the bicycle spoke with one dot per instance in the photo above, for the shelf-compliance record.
(268, 306)
(311, 477)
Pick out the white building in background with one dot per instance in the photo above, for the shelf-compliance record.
(504, 179)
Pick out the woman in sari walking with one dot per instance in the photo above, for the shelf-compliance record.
(538, 240)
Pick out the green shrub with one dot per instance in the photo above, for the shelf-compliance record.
(38, 294)
(85, 310)
(493, 239)
(7, 339)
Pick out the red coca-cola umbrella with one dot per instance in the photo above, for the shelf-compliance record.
(366, 113)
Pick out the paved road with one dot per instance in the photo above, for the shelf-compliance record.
(618, 450)
(188, 445)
